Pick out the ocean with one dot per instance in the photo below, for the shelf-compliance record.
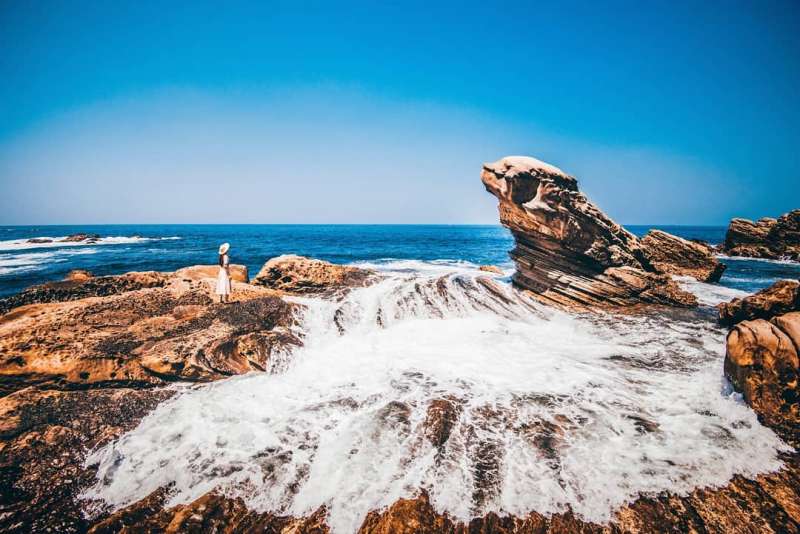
(124, 248)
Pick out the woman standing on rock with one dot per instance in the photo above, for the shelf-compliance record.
(224, 277)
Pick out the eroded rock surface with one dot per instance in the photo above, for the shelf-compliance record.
(669, 254)
(761, 358)
(568, 252)
(765, 238)
(301, 275)
(140, 334)
(237, 272)
(781, 297)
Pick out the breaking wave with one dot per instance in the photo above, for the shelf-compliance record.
(544, 411)
(17, 263)
(25, 244)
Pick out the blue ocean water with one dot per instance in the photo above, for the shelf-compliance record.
(124, 248)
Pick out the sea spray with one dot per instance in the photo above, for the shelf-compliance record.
(553, 411)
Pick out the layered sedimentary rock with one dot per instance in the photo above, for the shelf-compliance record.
(147, 329)
(670, 254)
(766, 238)
(781, 297)
(301, 275)
(568, 252)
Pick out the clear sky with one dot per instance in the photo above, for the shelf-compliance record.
(379, 112)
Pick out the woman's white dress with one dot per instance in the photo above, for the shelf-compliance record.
(223, 281)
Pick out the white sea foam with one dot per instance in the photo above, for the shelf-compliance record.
(765, 260)
(709, 294)
(428, 268)
(32, 261)
(24, 244)
(556, 411)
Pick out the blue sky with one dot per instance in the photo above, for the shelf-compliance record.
(673, 112)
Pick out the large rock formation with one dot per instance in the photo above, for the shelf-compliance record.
(766, 238)
(670, 254)
(761, 358)
(568, 252)
(300, 275)
(147, 329)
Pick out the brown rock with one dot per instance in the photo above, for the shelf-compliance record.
(146, 336)
(781, 297)
(40, 240)
(81, 287)
(766, 238)
(440, 419)
(300, 275)
(238, 273)
(491, 269)
(78, 275)
(669, 254)
(761, 361)
(44, 438)
(565, 245)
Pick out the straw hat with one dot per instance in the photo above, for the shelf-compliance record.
(223, 248)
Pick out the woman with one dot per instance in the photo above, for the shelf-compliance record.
(224, 277)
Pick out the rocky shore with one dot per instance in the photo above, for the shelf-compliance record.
(765, 238)
(84, 360)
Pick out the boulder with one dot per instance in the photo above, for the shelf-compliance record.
(39, 240)
(781, 297)
(766, 238)
(199, 272)
(565, 245)
(761, 362)
(301, 275)
(669, 254)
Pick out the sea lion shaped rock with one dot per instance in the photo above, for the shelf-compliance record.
(565, 245)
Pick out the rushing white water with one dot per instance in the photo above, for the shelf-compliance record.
(553, 411)
(709, 294)
(17, 263)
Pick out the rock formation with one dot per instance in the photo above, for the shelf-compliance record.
(147, 329)
(300, 275)
(494, 269)
(761, 357)
(670, 254)
(781, 297)
(766, 238)
(571, 254)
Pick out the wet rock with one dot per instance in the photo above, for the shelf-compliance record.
(669, 254)
(781, 297)
(300, 275)
(766, 238)
(80, 237)
(441, 417)
(44, 437)
(761, 361)
(143, 337)
(237, 272)
(494, 269)
(565, 245)
(210, 513)
(39, 240)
